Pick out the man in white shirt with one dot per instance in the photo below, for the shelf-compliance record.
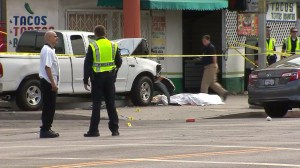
(49, 75)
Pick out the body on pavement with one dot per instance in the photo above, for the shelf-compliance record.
(100, 66)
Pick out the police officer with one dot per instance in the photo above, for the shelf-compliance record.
(291, 45)
(270, 46)
(101, 62)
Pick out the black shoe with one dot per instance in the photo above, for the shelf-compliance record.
(48, 134)
(91, 134)
(115, 133)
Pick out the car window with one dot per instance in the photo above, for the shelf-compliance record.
(292, 61)
(77, 45)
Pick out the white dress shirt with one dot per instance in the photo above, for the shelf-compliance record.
(48, 58)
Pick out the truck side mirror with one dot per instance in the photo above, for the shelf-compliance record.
(124, 52)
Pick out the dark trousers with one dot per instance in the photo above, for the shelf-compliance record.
(271, 59)
(103, 86)
(49, 102)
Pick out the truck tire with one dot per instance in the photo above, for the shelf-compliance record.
(276, 110)
(142, 91)
(162, 88)
(29, 95)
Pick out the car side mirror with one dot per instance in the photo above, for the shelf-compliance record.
(124, 52)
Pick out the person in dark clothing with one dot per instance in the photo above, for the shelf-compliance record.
(49, 79)
(210, 63)
(100, 66)
(270, 46)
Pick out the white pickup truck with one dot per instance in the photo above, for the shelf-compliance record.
(19, 78)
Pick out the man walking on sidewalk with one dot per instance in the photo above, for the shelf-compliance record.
(209, 78)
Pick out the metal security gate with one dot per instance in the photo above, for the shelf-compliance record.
(86, 20)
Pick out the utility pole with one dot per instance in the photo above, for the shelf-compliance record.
(262, 23)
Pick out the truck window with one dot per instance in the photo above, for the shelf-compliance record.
(142, 48)
(77, 45)
(33, 41)
(91, 38)
(60, 46)
(26, 42)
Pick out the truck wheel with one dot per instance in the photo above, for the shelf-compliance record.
(276, 110)
(29, 96)
(142, 91)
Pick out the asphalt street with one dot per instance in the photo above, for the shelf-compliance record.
(230, 135)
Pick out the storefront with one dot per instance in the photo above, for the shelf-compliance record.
(176, 27)
(170, 27)
(161, 24)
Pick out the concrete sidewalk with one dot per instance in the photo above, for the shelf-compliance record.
(235, 105)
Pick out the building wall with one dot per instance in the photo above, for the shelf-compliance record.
(172, 67)
(72, 4)
(174, 46)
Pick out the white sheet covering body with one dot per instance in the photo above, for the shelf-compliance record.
(200, 99)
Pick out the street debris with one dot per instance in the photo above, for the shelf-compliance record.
(190, 120)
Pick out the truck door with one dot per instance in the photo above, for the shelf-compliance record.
(77, 61)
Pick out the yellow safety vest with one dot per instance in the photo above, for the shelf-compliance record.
(104, 52)
(270, 47)
(288, 44)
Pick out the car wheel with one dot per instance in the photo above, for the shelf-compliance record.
(142, 91)
(276, 110)
(29, 96)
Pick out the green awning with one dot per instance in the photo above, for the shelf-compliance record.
(171, 4)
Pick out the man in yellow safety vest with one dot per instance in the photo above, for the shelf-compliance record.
(270, 46)
(291, 45)
(102, 59)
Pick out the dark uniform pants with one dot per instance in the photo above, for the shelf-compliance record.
(271, 59)
(49, 102)
(103, 86)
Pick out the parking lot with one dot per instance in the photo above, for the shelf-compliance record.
(230, 135)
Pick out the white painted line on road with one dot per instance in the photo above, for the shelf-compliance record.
(154, 145)
(222, 163)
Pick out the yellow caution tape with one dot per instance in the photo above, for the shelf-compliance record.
(243, 55)
(258, 49)
(248, 46)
